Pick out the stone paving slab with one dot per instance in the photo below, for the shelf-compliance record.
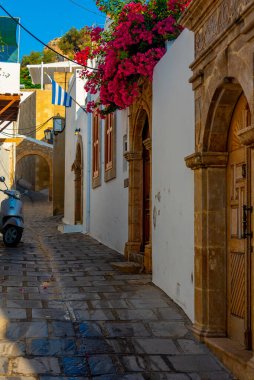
(66, 314)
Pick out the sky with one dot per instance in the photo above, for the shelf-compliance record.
(48, 19)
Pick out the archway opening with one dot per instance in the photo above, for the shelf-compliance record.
(78, 170)
(146, 188)
(138, 247)
(33, 174)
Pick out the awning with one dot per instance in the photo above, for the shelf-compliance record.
(9, 107)
(36, 71)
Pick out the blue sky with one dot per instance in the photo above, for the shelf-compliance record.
(48, 19)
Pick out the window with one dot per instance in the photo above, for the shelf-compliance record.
(110, 148)
(96, 152)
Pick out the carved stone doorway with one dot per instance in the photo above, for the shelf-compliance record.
(224, 196)
(139, 245)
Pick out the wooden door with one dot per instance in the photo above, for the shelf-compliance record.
(238, 233)
(77, 166)
(146, 197)
(146, 187)
(78, 197)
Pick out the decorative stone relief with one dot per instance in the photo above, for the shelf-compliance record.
(219, 21)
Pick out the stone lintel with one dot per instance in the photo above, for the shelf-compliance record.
(206, 159)
(131, 156)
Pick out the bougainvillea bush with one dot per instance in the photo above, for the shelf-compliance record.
(127, 49)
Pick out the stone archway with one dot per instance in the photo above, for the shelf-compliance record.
(138, 248)
(31, 147)
(223, 53)
(210, 180)
(77, 167)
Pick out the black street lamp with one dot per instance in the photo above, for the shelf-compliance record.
(48, 134)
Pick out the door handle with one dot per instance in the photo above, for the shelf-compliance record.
(245, 233)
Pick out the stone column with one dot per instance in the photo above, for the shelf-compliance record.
(210, 242)
(132, 247)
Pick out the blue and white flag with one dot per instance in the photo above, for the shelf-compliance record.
(59, 96)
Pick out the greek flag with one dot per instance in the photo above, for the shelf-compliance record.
(59, 96)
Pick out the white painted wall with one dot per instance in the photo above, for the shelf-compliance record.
(75, 118)
(109, 202)
(172, 181)
(9, 78)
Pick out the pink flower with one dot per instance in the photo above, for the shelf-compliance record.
(129, 49)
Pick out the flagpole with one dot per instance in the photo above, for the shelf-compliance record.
(82, 107)
(72, 98)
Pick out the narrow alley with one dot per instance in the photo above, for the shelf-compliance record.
(67, 314)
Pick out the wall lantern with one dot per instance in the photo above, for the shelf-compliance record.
(58, 124)
(48, 134)
(77, 130)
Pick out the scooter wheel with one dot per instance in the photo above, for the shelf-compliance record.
(12, 236)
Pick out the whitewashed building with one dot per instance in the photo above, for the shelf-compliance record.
(94, 176)
(172, 181)
(104, 179)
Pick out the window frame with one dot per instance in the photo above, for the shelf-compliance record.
(110, 147)
(96, 154)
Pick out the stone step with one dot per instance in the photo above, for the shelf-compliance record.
(127, 267)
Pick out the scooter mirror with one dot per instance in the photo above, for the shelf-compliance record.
(2, 179)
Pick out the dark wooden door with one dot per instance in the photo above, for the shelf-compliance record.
(146, 186)
(146, 196)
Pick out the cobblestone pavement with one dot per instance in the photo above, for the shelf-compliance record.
(66, 314)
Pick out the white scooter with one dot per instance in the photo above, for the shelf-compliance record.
(11, 217)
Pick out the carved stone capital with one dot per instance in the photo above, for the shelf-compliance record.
(148, 143)
(206, 159)
(131, 156)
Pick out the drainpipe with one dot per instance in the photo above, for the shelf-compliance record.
(88, 172)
